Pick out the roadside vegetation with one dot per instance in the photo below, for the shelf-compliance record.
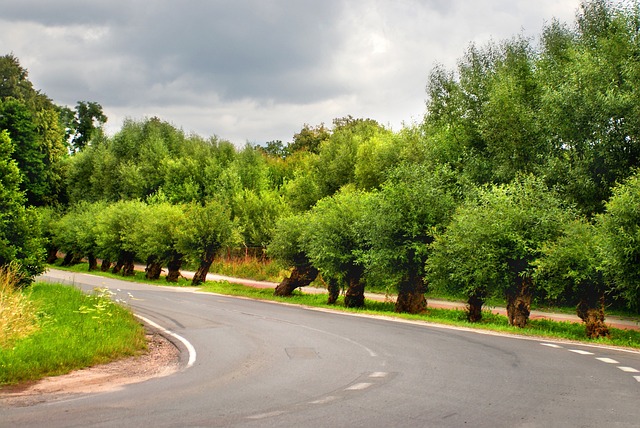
(62, 329)
(520, 183)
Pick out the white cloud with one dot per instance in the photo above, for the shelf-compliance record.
(255, 70)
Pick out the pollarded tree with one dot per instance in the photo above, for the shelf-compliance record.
(115, 239)
(75, 233)
(286, 247)
(570, 265)
(402, 219)
(620, 231)
(333, 239)
(206, 230)
(491, 243)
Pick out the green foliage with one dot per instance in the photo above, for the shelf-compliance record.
(115, 228)
(287, 244)
(569, 266)
(620, 227)
(19, 229)
(493, 239)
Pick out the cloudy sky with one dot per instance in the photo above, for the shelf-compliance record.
(255, 70)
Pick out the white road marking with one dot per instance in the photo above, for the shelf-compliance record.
(607, 360)
(551, 345)
(324, 400)
(359, 386)
(267, 415)
(378, 374)
(629, 369)
(185, 342)
(581, 352)
(637, 378)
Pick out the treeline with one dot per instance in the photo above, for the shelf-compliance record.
(520, 182)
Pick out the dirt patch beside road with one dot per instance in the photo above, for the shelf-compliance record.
(161, 359)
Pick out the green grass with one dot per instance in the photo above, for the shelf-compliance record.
(537, 328)
(76, 330)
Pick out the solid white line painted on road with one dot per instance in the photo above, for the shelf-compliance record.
(581, 352)
(629, 370)
(378, 374)
(185, 342)
(551, 345)
(607, 360)
(359, 386)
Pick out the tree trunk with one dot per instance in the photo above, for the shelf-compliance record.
(333, 287)
(474, 307)
(173, 267)
(106, 265)
(68, 258)
(153, 269)
(117, 267)
(52, 255)
(411, 295)
(301, 276)
(519, 302)
(93, 262)
(354, 297)
(591, 310)
(201, 274)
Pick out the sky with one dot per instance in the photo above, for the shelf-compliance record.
(252, 71)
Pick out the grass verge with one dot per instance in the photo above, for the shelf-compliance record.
(75, 330)
(536, 328)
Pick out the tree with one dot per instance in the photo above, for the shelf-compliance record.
(88, 119)
(620, 231)
(570, 265)
(491, 243)
(309, 139)
(19, 229)
(286, 246)
(333, 241)
(206, 230)
(401, 221)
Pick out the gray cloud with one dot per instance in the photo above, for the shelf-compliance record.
(255, 69)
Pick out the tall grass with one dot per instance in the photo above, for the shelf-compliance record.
(17, 312)
(76, 331)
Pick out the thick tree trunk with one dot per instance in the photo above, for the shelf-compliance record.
(153, 269)
(333, 287)
(474, 308)
(201, 274)
(117, 267)
(354, 297)
(591, 310)
(66, 261)
(301, 276)
(519, 302)
(106, 265)
(52, 255)
(411, 295)
(173, 268)
(93, 262)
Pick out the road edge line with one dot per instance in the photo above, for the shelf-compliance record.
(190, 348)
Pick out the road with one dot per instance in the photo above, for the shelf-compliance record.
(262, 364)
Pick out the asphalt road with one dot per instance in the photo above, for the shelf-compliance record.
(260, 364)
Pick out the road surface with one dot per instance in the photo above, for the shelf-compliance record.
(262, 364)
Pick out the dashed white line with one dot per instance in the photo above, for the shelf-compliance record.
(378, 374)
(359, 386)
(628, 369)
(267, 415)
(581, 352)
(637, 378)
(552, 345)
(324, 400)
(608, 360)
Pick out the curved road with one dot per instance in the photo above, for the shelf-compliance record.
(262, 364)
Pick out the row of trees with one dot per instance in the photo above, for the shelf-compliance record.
(520, 182)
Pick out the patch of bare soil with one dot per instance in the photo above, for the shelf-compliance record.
(161, 359)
